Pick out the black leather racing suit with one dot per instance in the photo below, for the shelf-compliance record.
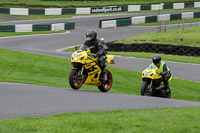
(99, 51)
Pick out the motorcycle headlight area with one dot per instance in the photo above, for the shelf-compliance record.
(146, 73)
(76, 56)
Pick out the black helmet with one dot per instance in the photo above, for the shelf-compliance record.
(156, 59)
(91, 35)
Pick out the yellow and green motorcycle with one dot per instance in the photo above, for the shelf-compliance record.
(85, 70)
(152, 83)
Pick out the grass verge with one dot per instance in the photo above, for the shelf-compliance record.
(180, 22)
(170, 120)
(5, 34)
(175, 58)
(52, 71)
(3, 20)
(188, 37)
(45, 70)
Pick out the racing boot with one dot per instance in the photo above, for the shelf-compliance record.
(104, 73)
(166, 86)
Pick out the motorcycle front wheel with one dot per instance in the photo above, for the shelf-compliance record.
(74, 80)
(107, 84)
(143, 88)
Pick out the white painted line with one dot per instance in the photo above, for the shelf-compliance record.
(103, 15)
(150, 59)
(185, 79)
(182, 63)
(37, 20)
(33, 35)
(62, 49)
(124, 56)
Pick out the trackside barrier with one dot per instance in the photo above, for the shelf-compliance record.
(111, 23)
(154, 48)
(37, 27)
(92, 10)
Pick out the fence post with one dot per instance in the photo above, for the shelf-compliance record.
(160, 28)
(157, 26)
(183, 25)
(178, 23)
(165, 27)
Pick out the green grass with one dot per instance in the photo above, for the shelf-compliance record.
(28, 3)
(188, 37)
(166, 120)
(52, 71)
(6, 34)
(176, 58)
(180, 22)
(3, 20)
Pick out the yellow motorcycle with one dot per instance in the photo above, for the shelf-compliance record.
(152, 83)
(87, 71)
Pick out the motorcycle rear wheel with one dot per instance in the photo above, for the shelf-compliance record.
(106, 85)
(74, 80)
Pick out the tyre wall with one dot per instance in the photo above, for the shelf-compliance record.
(155, 48)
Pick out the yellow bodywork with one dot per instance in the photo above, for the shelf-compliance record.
(151, 73)
(87, 62)
(110, 59)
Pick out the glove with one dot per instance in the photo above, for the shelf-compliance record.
(159, 73)
(94, 56)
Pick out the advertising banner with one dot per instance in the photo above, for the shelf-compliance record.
(107, 9)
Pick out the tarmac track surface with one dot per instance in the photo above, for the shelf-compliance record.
(18, 100)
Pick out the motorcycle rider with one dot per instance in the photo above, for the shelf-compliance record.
(99, 50)
(162, 70)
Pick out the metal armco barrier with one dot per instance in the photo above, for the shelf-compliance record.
(154, 48)
(37, 27)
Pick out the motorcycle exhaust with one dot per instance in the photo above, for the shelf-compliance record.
(160, 87)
